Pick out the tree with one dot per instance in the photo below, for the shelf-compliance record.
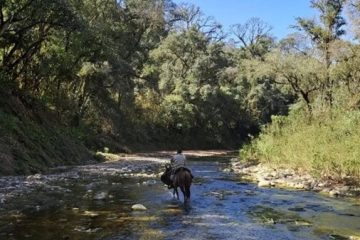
(253, 37)
(25, 26)
(323, 34)
(347, 71)
(301, 73)
(187, 16)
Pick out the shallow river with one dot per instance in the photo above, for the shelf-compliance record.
(223, 206)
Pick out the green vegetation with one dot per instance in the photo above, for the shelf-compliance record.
(326, 146)
(80, 76)
(321, 135)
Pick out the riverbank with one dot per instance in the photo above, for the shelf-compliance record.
(267, 176)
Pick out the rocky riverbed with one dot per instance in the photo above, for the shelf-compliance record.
(142, 165)
(267, 176)
(124, 199)
(117, 166)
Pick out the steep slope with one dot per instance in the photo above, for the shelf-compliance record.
(31, 138)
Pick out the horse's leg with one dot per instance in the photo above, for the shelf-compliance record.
(177, 193)
(174, 192)
(184, 193)
(187, 191)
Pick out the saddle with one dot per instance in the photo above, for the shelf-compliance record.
(183, 168)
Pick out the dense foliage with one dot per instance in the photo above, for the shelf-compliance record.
(136, 72)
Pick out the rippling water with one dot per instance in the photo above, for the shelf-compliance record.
(222, 207)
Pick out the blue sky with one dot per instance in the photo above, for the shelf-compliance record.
(280, 14)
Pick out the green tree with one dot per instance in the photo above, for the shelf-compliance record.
(25, 27)
(324, 34)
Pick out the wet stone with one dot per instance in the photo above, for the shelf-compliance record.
(338, 237)
(138, 207)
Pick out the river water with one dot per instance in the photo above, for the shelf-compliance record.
(223, 206)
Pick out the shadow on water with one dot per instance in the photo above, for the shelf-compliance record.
(222, 207)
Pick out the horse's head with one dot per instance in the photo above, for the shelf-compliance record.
(167, 167)
(165, 177)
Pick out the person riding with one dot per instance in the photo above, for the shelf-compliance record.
(178, 161)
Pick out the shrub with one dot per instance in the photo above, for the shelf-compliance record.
(327, 145)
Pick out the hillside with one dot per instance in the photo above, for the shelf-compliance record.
(32, 140)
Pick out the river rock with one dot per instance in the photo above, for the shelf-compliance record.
(339, 191)
(334, 193)
(34, 177)
(342, 190)
(75, 209)
(354, 237)
(100, 196)
(138, 207)
(264, 183)
(149, 182)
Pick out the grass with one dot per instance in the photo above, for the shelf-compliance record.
(326, 146)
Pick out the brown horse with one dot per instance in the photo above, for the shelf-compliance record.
(182, 179)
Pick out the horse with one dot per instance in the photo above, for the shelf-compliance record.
(182, 179)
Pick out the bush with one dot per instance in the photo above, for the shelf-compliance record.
(327, 145)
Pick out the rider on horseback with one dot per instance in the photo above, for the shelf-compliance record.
(178, 161)
(177, 175)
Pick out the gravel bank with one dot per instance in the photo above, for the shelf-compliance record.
(266, 176)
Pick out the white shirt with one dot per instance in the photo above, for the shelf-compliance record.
(178, 160)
